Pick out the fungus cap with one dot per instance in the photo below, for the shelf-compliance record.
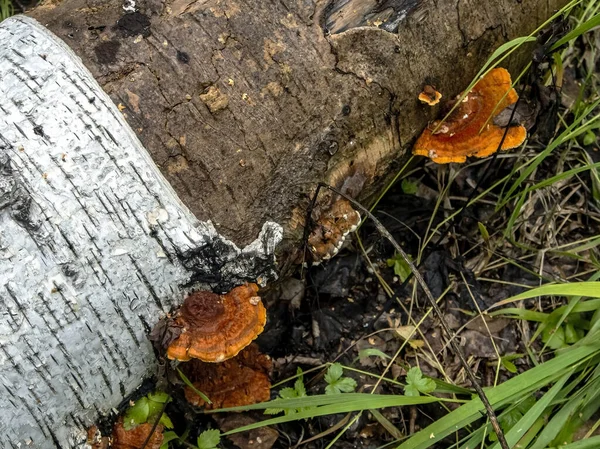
(217, 327)
(331, 229)
(470, 129)
(134, 438)
(430, 95)
(242, 380)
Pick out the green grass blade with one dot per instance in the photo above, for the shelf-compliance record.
(581, 29)
(590, 443)
(560, 418)
(352, 401)
(533, 414)
(508, 392)
(341, 403)
(589, 289)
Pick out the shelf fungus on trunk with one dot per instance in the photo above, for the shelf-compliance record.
(242, 380)
(134, 438)
(470, 129)
(214, 328)
(429, 95)
(330, 229)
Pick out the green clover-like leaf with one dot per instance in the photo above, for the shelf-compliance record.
(209, 439)
(417, 384)
(336, 383)
(136, 414)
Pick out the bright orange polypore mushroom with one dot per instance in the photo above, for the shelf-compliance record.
(470, 129)
(217, 327)
(430, 95)
(242, 380)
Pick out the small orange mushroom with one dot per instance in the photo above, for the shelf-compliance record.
(242, 380)
(430, 95)
(470, 129)
(331, 229)
(215, 327)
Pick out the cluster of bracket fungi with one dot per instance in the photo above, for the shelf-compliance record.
(213, 335)
(331, 228)
(470, 129)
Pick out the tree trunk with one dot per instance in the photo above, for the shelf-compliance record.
(243, 107)
(94, 246)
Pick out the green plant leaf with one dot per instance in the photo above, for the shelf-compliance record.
(417, 384)
(209, 439)
(409, 187)
(508, 420)
(370, 352)
(483, 231)
(336, 383)
(554, 338)
(136, 414)
(290, 393)
(191, 385)
(159, 396)
(168, 436)
(299, 391)
(343, 385)
(334, 372)
(401, 268)
(589, 138)
(166, 421)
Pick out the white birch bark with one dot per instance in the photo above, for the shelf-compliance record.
(94, 246)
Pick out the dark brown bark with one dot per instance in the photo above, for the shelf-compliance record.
(245, 105)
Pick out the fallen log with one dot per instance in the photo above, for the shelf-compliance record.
(243, 107)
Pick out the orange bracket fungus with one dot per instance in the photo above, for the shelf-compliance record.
(470, 128)
(242, 380)
(430, 95)
(135, 438)
(215, 327)
(331, 229)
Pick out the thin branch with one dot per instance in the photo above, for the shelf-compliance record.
(489, 410)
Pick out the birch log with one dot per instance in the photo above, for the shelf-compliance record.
(94, 246)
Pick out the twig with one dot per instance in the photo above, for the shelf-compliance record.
(436, 308)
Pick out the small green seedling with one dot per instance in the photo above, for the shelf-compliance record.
(298, 391)
(147, 409)
(417, 384)
(209, 439)
(409, 187)
(336, 383)
(401, 268)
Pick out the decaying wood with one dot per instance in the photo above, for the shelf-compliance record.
(246, 104)
(94, 247)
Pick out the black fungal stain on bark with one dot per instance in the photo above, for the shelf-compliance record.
(183, 57)
(106, 52)
(134, 24)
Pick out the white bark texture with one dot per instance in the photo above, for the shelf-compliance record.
(94, 246)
